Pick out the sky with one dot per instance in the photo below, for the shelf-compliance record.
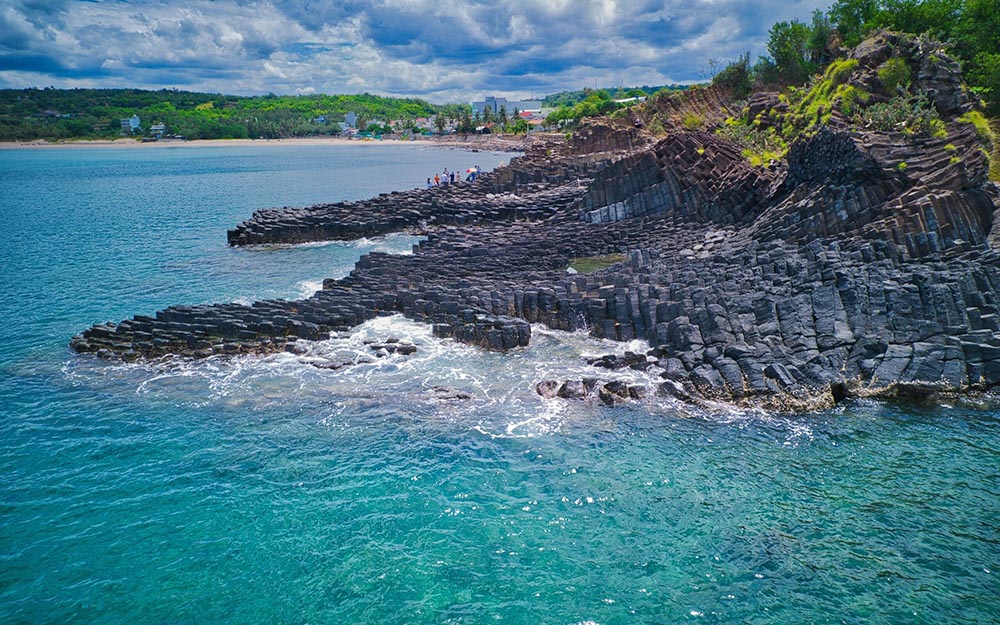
(439, 50)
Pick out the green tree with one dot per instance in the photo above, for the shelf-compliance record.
(518, 127)
(819, 39)
(936, 17)
(853, 19)
(736, 76)
(789, 45)
(977, 42)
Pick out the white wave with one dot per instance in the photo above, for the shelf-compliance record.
(265, 247)
(346, 374)
(307, 288)
(399, 243)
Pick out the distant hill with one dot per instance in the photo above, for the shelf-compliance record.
(29, 114)
(570, 98)
(59, 114)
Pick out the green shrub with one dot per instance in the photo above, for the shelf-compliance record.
(837, 74)
(815, 105)
(937, 129)
(850, 98)
(690, 121)
(914, 116)
(894, 74)
(982, 125)
(760, 146)
(736, 76)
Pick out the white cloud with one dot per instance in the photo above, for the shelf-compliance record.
(444, 50)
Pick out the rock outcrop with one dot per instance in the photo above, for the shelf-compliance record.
(863, 264)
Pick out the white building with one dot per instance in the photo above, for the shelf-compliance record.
(131, 124)
(495, 104)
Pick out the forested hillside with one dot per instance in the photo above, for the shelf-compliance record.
(27, 114)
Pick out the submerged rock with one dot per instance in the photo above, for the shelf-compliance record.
(391, 346)
(447, 393)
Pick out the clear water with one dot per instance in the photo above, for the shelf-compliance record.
(267, 490)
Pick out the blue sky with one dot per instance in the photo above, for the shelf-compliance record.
(440, 50)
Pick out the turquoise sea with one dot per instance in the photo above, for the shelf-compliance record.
(267, 490)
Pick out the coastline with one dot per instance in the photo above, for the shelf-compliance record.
(475, 142)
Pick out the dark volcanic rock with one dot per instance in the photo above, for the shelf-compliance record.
(610, 393)
(632, 360)
(446, 393)
(838, 273)
(548, 389)
(391, 346)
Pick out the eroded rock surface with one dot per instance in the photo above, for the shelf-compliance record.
(834, 273)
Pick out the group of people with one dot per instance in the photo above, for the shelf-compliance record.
(453, 177)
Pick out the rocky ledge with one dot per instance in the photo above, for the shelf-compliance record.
(865, 263)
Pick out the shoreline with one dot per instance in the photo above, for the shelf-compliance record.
(475, 142)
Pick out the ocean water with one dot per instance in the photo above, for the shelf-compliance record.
(268, 490)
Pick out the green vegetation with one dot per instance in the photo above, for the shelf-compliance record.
(995, 157)
(736, 77)
(894, 74)
(801, 53)
(911, 115)
(590, 264)
(796, 50)
(982, 126)
(596, 104)
(29, 114)
(818, 104)
(691, 121)
(577, 105)
(760, 145)
(970, 28)
(571, 98)
(765, 140)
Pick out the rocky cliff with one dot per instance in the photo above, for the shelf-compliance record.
(862, 261)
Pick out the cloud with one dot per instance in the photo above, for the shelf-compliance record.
(443, 50)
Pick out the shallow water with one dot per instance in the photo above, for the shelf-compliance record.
(250, 490)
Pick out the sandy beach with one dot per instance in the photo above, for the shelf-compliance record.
(475, 142)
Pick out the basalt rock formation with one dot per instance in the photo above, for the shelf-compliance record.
(863, 263)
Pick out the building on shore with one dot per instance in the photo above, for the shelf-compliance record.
(494, 104)
(131, 124)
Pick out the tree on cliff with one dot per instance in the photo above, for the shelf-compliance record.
(970, 30)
